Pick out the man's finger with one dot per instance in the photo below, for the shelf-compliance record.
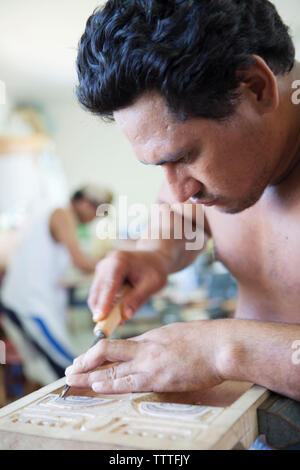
(112, 272)
(132, 301)
(110, 372)
(128, 384)
(111, 350)
(102, 296)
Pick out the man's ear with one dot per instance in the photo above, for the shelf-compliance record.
(260, 84)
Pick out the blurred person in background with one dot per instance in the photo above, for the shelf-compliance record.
(34, 301)
(30, 171)
(31, 175)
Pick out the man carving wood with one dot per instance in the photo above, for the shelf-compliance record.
(204, 89)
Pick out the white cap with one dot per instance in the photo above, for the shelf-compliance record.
(97, 194)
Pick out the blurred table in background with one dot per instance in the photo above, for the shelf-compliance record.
(170, 305)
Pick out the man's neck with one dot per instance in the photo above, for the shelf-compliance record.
(291, 156)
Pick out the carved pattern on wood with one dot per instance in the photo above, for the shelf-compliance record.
(142, 420)
(75, 411)
(148, 420)
(203, 414)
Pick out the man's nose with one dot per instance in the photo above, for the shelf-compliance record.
(182, 185)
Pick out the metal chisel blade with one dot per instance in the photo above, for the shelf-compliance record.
(99, 335)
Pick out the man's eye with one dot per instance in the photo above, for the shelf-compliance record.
(185, 159)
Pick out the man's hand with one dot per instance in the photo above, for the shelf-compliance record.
(146, 271)
(176, 358)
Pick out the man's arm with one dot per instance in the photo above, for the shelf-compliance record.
(175, 250)
(264, 353)
(147, 268)
(29, 144)
(186, 217)
(63, 230)
(184, 357)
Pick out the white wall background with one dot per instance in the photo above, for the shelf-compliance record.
(92, 150)
(38, 43)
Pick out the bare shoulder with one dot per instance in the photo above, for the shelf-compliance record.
(61, 220)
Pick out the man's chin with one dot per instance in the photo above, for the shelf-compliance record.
(235, 208)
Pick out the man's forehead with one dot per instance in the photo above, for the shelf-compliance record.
(153, 132)
(146, 119)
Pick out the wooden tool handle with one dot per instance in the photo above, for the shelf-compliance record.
(108, 325)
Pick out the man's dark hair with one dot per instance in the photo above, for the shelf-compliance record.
(78, 195)
(187, 50)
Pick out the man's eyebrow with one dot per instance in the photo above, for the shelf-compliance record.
(170, 158)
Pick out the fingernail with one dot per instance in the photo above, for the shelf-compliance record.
(97, 313)
(69, 380)
(69, 370)
(129, 313)
(97, 386)
(77, 364)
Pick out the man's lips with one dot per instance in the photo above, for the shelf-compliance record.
(209, 203)
(196, 200)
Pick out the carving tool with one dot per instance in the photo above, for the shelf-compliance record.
(105, 328)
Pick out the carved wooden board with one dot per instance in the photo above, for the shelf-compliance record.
(220, 418)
